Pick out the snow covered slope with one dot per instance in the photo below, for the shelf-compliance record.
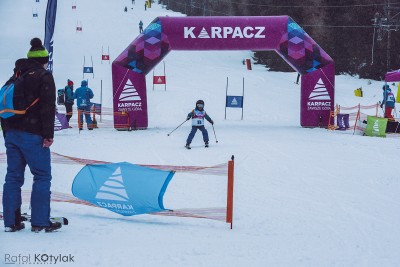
(303, 197)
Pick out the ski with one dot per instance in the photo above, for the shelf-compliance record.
(27, 218)
(196, 146)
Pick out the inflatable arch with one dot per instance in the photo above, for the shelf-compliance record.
(278, 33)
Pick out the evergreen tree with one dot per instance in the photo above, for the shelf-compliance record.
(342, 28)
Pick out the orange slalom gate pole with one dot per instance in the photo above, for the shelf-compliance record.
(79, 120)
(357, 117)
(229, 206)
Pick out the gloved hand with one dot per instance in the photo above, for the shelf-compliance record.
(188, 118)
(381, 105)
(212, 122)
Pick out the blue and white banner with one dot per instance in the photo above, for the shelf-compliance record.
(49, 30)
(123, 188)
(234, 101)
(87, 69)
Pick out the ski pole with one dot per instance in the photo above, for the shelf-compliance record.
(177, 127)
(214, 133)
(380, 104)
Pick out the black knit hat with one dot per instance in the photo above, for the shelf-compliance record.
(38, 52)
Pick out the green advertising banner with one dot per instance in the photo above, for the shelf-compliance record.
(376, 126)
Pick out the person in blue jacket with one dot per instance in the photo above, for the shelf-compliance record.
(389, 102)
(83, 95)
(198, 115)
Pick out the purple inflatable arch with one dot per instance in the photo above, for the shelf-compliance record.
(278, 33)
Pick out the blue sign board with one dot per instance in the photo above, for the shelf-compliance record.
(234, 101)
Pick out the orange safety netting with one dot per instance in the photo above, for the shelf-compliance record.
(218, 214)
(206, 213)
(105, 120)
(219, 170)
(358, 112)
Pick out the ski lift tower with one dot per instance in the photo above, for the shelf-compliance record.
(384, 24)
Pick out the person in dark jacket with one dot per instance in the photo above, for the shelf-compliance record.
(69, 99)
(388, 101)
(83, 95)
(198, 115)
(140, 26)
(28, 140)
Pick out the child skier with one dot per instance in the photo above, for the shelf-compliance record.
(388, 101)
(198, 115)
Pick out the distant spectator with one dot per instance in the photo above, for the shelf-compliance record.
(140, 27)
(69, 99)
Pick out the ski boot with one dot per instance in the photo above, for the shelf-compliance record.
(48, 229)
(188, 146)
(15, 228)
(206, 144)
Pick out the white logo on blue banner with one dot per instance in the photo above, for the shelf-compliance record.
(234, 101)
(123, 188)
(113, 188)
(87, 69)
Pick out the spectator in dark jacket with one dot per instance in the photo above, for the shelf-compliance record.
(69, 99)
(140, 26)
(28, 140)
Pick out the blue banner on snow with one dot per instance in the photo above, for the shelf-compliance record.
(234, 101)
(87, 69)
(123, 188)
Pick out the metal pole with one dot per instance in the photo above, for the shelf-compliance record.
(242, 98)
(389, 24)
(83, 74)
(177, 127)
(165, 78)
(101, 98)
(91, 58)
(216, 140)
(373, 45)
(226, 96)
